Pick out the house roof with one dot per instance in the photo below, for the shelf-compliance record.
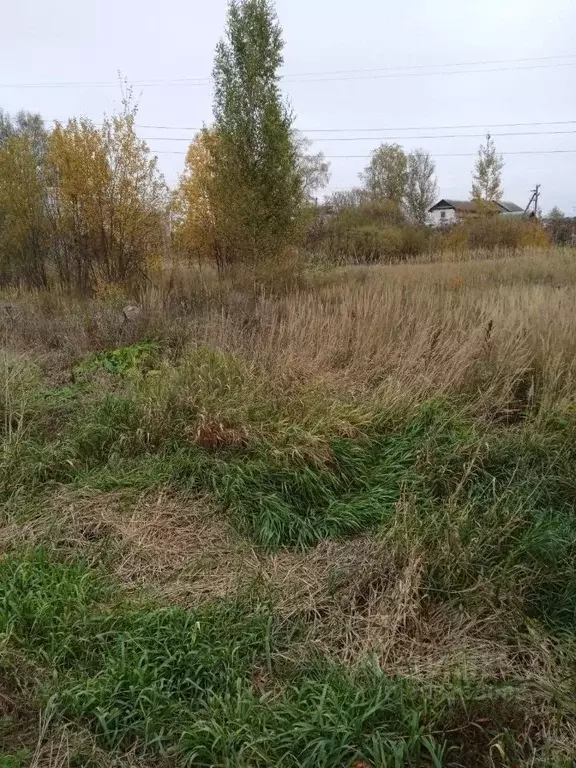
(459, 205)
(510, 207)
(470, 206)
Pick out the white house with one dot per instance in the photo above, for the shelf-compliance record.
(452, 211)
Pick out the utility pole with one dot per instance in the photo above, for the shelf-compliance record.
(534, 199)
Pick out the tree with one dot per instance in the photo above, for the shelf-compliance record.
(421, 186)
(108, 201)
(23, 224)
(347, 198)
(386, 173)
(313, 168)
(256, 188)
(24, 232)
(487, 176)
(555, 214)
(195, 232)
(27, 124)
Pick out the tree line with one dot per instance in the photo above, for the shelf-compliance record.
(83, 204)
(78, 204)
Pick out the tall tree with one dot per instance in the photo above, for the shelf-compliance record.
(386, 173)
(194, 228)
(421, 186)
(24, 241)
(313, 167)
(256, 187)
(487, 176)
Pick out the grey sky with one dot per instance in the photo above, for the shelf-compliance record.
(65, 40)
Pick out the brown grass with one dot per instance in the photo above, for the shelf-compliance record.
(503, 329)
(355, 600)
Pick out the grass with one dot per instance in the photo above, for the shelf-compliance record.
(328, 525)
(201, 685)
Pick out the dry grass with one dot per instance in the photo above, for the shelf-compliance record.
(502, 329)
(357, 599)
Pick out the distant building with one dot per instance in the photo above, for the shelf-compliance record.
(452, 211)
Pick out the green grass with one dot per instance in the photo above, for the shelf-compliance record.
(182, 683)
(488, 510)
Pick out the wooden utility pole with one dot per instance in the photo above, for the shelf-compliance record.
(533, 199)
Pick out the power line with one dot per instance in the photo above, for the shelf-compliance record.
(485, 126)
(369, 130)
(429, 66)
(376, 138)
(391, 72)
(473, 154)
(432, 74)
(448, 154)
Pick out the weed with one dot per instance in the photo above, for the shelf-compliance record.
(119, 361)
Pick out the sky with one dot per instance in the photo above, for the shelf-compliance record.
(409, 69)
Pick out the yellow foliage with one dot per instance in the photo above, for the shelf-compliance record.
(534, 236)
(154, 263)
(194, 223)
(109, 199)
(108, 292)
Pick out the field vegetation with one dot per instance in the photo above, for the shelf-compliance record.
(282, 485)
(320, 522)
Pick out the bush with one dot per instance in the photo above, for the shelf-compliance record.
(562, 231)
(491, 233)
(368, 243)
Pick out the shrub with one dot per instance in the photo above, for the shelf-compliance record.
(491, 233)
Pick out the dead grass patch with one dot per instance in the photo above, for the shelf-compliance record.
(357, 599)
(174, 543)
(361, 600)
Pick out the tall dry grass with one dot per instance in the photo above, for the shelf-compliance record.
(500, 331)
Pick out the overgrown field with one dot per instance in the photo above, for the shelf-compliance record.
(326, 521)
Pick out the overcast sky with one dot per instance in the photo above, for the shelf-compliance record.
(65, 41)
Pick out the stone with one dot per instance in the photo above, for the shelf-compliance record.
(131, 313)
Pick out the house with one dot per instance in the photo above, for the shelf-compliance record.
(453, 211)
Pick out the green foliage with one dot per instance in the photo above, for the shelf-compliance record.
(421, 187)
(561, 229)
(18, 759)
(555, 214)
(367, 244)
(487, 177)
(25, 124)
(365, 229)
(491, 233)
(120, 361)
(181, 684)
(387, 173)
(256, 189)
(313, 168)
(24, 233)
(487, 510)
(300, 506)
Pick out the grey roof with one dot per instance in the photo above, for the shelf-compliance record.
(461, 205)
(470, 205)
(510, 207)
